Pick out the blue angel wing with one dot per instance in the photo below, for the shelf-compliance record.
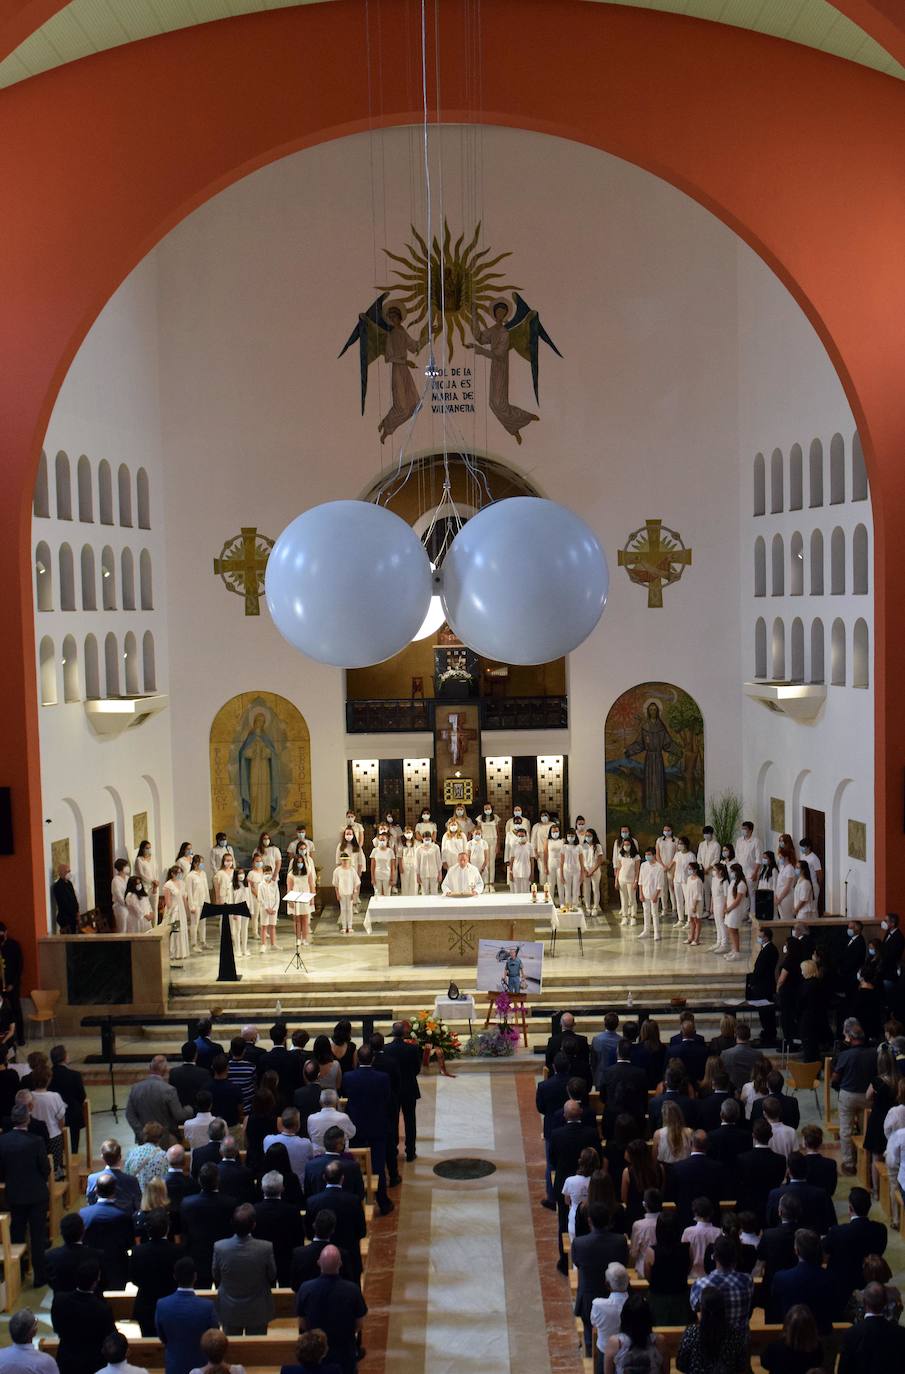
(370, 332)
(526, 331)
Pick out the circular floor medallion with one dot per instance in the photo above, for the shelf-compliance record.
(464, 1168)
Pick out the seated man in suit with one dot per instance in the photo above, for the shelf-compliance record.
(182, 1320)
(817, 1210)
(128, 1189)
(848, 1246)
(776, 1250)
(245, 1272)
(730, 1138)
(790, 1112)
(760, 1170)
(348, 1209)
(305, 1258)
(334, 1147)
(874, 1344)
(109, 1229)
(591, 1254)
(699, 1176)
(280, 1223)
(673, 1092)
(820, 1171)
(82, 1320)
(807, 1282)
(204, 1219)
(63, 1260)
(152, 1270)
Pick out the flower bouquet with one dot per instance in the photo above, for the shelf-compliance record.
(436, 1040)
(491, 1043)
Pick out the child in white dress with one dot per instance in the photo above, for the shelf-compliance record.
(184, 858)
(719, 892)
(479, 854)
(175, 915)
(138, 907)
(680, 866)
(147, 871)
(575, 1188)
(247, 925)
(454, 842)
(346, 884)
(540, 833)
(694, 902)
(269, 900)
(197, 892)
(553, 858)
(628, 865)
(301, 878)
(570, 865)
(591, 869)
(407, 860)
(429, 864)
(520, 862)
(383, 868)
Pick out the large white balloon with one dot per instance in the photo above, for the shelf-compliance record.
(348, 583)
(524, 581)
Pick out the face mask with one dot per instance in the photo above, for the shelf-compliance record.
(587, 839)
(190, 853)
(517, 811)
(624, 834)
(487, 811)
(382, 844)
(850, 933)
(460, 811)
(348, 835)
(389, 820)
(453, 829)
(708, 834)
(522, 840)
(425, 815)
(681, 848)
(626, 849)
(884, 925)
(872, 953)
(667, 834)
(241, 877)
(554, 834)
(762, 940)
(257, 866)
(649, 858)
(544, 818)
(785, 949)
(725, 853)
(573, 839)
(408, 834)
(805, 849)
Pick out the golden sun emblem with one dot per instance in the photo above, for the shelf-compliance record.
(464, 285)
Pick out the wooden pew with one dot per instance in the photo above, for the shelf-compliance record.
(12, 1256)
(122, 1302)
(253, 1352)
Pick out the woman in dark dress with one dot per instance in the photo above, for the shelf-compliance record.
(600, 1189)
(277, 1157)
(667, 1272)
(710, 1345)
(261, 1122)
(881, 1098)
(642, 1172)
(867, 1003)
(345, 1051)
(788, 987)
(654, 1056)
(625, 1130)
(799, 1350)
(813, 1013)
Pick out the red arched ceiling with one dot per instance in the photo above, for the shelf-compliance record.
(797, 152)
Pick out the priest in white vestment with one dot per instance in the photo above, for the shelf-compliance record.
(462, 879)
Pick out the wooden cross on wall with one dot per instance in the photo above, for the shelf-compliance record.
(654, 556)
(241, 565)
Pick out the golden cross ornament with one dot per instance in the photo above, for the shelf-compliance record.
(241, 565)
(654, 556)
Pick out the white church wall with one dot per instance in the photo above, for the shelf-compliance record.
(789, 394)
(260, 288)
(105, 419)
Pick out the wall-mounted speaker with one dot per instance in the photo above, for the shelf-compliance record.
(6, 821)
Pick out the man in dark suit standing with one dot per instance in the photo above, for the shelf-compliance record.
(807, 1282)
(349, 1211)
(848, 1246)
(698, 1176)
(188, 1078)
(209, 1153)
(368, 1096)
(63, 1261)
(152, 1270)
(68, 1083)
(179, 1183)
(574, 1046)
(25, 1169)
(128, 1189)
(109, 1229)
(245, 1273)
(873, 1344)
(286, 1064)
(691, 1050)
(760, 985)
(11, 966)
(890, 952)
(305, 1258)
(820, 1171)
(408, 1058)
(730, 1138)
(549, 1097)
(204, 1219)
(182, 1319)
(67, 902)
(710, 1107)
(384, 1064)
(334, 1146)
(817, 1210)
(851, 960)
(790, 1110)
(760, 1170)
(236, 1180)
(82, 1320)
(279, 1222)
(307, 1098)
(776, 1249)
(566, 1145)
(623, 1089)
(687, 1106)
(591, 1254)
(207, 1049)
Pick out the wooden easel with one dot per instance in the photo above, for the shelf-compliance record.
(518, 1013)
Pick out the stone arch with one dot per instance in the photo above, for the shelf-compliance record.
(260, 770)
(646, 786)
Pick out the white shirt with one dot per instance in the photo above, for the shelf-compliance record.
(666, 849)
(299, 1148)
(625, 869)
(452, 847)
(804, 892)
(460, 879)
(784, 1139)
(346, 881)
(680, 872)
(617, 849)
(268, 895)
(748, 853)
(320, 1122)
(606, 1314)
(521, 860)
(124, 1367)
(651, 880)
(427, 860)
(694, 893)
(895, 1154)
(786, 905)
(50, 1108)
(195, 1130)
(708, 853)
(478, 851)
(216, 856)
(815, 868)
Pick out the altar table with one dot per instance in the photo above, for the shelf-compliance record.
(446, 930)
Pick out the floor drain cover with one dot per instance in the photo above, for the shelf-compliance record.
(464, 1168)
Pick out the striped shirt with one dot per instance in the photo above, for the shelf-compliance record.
(242, 1073)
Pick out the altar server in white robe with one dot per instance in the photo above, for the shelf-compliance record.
(427, 825)
(454, 844)
(138, 907)
(628, 863)
(269, 900)
(520, 864)
(346, 885)
(570, 866)
(666, 852)
(553, 853)
(146, 869)
(748, 853)
(184, 858)
(355, 825)
(383, 868)
(302, 877)
(785, 886)
(175, 914)
(243, 928)
(272, 854)
(463, 879)
(430, 865)
(479, 855)
(805, 895)
(221, 846)
(490, 823)
(709, 853)
(197, 892)
(651, 879)
(680, 866)
(719, 898)
(540, 833)
(815, 867)
(591, 870)
(407, 859)
(118, 894)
